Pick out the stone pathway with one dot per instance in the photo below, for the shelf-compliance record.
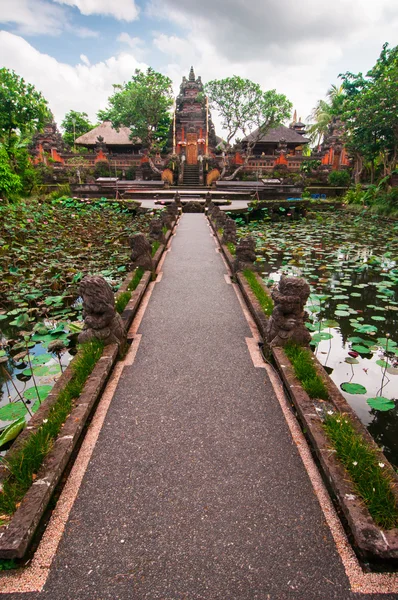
(195, 489)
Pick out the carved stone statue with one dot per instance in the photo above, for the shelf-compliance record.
(287, 319)
(193, 207)
(156, 231)
(229, 232)
(167, 219)
(208, 201)
(172, 209)
(141, 255)
(101, 321)
(221, 219)
(245, 253)
(215, 212)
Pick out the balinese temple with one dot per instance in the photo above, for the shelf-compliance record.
(112, 140)
(291, 138)
(48, 142)
(193, 130)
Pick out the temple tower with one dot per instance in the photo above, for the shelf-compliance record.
(194, 130)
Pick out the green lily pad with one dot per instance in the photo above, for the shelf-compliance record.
(353, 388)
(12, 411)
(380, 403)
(41, 359)
(322, 335)
(10, 433)
(378, 318)
(361, 349)
(342, 313)
(351, 360)
(366, 329)
(382, 363)
(31, 394)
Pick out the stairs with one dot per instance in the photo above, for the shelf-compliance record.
(191, 175)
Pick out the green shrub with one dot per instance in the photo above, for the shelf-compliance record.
(25, 462)
(339, 178)
(372, 482)
(62, 191)
(122, 300)
(354, 195)
(264, 299)
(136, 279)
(305, 371)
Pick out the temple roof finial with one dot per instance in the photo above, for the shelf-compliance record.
(295, 117)
(191, 75)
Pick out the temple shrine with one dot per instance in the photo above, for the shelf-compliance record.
(194, 155)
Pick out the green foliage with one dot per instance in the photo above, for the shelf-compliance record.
(307, 166)
(372, 481)
(24, 463)
(244, 107)
(354, 195)
(339, 178)
(370, 110)
(22, 108)
(138, 273)
(102, 169)
(143, 105)
(122, 300)
(155, 247)
(10, 183)
(305, 371)
(323, 113)
(74, 125)
(231, 247)
(62, 191)
(264, 299)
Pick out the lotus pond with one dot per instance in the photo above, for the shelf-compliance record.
(45, 250)
(351, 264)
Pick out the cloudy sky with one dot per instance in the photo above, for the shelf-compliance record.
(74, 50)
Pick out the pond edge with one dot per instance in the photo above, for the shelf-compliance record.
(17, 534)
(370, 540)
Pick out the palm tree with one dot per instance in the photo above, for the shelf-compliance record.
(323, 113)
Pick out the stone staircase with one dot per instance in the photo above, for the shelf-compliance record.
(191, 175)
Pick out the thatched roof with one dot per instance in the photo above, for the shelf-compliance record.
(111, 136)
(274, 135)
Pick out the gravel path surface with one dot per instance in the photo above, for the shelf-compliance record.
(195, 489)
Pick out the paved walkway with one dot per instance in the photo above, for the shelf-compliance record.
(195, 489)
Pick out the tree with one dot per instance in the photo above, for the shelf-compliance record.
(22, 108)
(323, 113)
(370, 111)
(74, 125)
(143, 105)
(10, 183)
(246, 110)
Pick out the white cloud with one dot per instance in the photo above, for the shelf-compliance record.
(83, 32)
(85, 60)
(33, 18)
(124, 10)
(83, 87)
(298, 48)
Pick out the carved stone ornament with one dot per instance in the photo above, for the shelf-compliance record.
(245, 253)
(287, 321)
(141, 252)
(229, 232)
(101, 321)
(156, 231)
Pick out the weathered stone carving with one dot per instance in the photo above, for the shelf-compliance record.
(101, 321)
(167, 219)
(193, 207)
(156, 231)
(245, 253)
(229, 232)
(177, 199)
(141, 255)
(221, 219)
(208, 200)
(215, 212)
(287, 321)
(172, 209)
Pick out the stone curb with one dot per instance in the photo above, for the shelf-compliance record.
(370, 541)
(16, 536)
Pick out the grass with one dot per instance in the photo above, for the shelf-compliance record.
(304, 369)
(265, 301)
(155, 247)
(138, 273)
(122, 300)
(231, 247)
(24, 464)
(372, 482)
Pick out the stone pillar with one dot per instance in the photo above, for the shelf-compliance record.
(245, 254)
